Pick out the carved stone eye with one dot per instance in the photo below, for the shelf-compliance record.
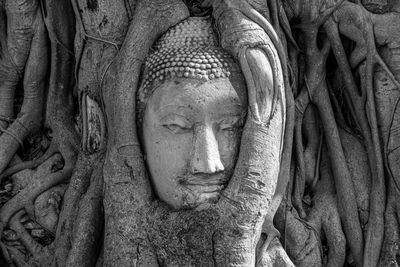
(231, 124)
(177, 129)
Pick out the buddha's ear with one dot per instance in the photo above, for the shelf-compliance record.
(262, 78)
(252, 40)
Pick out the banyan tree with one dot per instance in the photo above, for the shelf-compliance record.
(199, 133)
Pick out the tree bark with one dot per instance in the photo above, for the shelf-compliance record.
(316, 182)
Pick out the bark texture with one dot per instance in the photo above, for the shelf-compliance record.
(317, 179)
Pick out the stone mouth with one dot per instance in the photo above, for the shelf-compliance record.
(205, 183)
(206, 188)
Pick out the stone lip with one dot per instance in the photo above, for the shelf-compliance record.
(205, 182)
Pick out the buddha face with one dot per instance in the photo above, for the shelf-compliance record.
(191, 134)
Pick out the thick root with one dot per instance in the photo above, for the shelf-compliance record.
(40, 255)
(89, 224)
(26, 197)
(275, 255)
(23, 165)
(29, 118)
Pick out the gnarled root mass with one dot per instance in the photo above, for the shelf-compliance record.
(363, 113)
(46, 107)
(321, 75)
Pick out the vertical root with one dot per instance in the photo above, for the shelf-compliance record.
(375, 227)
(343, 183)
(79, 183)
(29, 119)
(326, 200)
(88, 224)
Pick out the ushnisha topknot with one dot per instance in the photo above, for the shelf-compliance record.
(188, 50)
(191, 32)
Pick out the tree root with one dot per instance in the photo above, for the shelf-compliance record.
(79, 183)
(367, 118)
(89, 224)
(124, 171)
(325, 216)
(253, 15)
(263, 111)
(40, 255)
(317, 88)
(343, 183)
(17, 25)
(29, 118)
(307, 157)
(28, 164)
(26, 197)
(60, 26)
(302, 102)
(391, 246)
(301, 242)
(312, 134)
(127, 192)
(25, 200)
(357, 160)
(274, 255)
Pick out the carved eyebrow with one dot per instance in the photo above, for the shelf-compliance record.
(227, 115)
(167, 116)
(227, 110)
(175, 106)
(232, 121)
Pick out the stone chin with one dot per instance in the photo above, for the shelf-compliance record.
(199, 189)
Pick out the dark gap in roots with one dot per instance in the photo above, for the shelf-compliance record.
(307, 201)
(337, 85)
(196, 9)
(77, 115)
(377, 7)
(298, 37)
(42, 236)
(331, 67)
(58, 165)
(19, 97)
(5, 191)
(44, 8)
(35, 145)
(3, 21)
(321, 38)
(349, 262)
(325, 249)
(349, 46)
(92, 5)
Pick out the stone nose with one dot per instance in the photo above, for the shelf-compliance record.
(205, 156)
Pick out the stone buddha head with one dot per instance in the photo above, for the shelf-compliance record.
(191, 109)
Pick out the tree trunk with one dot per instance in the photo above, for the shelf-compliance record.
(316, 180)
